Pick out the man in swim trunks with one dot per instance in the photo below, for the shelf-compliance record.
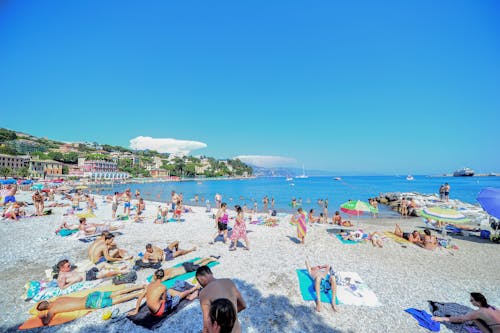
(155, 254)
(160, 300)
(108, 251)
(214, 289)
(67, 276)
(414, 237)
(325, 274)
(95, 300)
(186, 267)
(10, 196)
(487, 318)
(126, 197)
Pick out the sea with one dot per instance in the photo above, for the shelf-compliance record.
(305, 190)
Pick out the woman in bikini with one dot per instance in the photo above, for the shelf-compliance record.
(221, 219)
(429, 242)
(487, 317)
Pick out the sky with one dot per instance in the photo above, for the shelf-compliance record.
(368, 87)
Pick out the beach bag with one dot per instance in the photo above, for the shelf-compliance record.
(130, 277)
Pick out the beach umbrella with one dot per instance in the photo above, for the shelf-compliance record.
(357, 207)
(9, 181)
(489, 198)
(443, 215)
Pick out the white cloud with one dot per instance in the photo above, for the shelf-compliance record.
(267, 161)
(166, 145)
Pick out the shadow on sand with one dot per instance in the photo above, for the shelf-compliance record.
(261, 315)
(294, 239)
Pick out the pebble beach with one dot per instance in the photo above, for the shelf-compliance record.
(401, 276)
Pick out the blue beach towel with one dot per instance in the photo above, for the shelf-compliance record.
(174, 220)
(306, 285)
(346, 241)
(424, 319)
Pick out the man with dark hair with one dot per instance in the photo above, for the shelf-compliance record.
(108, 251)
(95, 300)
(222, 316)
(214, 289)
(68, 276)
(160, 300)
(155, 254)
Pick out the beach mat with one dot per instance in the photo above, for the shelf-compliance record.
(145, 319)
(306, 285)
(170, 283)
(61, 318)
(175, 220)
(347, 241)
(395, 238)
(453, 310)
(92, 238)
(351, 290)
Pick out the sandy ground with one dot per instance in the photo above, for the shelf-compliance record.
(401, 277)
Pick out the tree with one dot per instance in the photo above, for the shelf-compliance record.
(65, 170)
(4, 171)
(23, 172)
(56, 156)
(7, 135)
(70, 157)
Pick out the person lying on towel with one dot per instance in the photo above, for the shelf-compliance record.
(95, 300)
(413, 237)
(186, 267)
(107, 251)
(160, 300)
(319, 275)
(155, 254)
(67, 275)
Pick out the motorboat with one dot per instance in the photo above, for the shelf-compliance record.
(464, 172)
(409, 177)
(289, 179)
(337, 178)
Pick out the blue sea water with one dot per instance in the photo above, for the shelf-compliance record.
(248, 191)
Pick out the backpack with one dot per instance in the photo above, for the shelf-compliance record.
(130, 277)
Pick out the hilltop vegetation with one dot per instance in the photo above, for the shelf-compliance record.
(136, 163)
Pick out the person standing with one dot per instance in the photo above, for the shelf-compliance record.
(301, 225)
(38, 201)
(114, 205)
(239, 230)
(265, 203)
(215, 289)
(403, 208)
(441, 192)
(446, 192)
(221, 219)
(218, 200)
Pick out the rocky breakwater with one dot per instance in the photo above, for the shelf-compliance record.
(416, 202)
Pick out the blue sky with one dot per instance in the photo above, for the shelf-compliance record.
(362, 86)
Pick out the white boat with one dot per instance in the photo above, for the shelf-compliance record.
(303, 175)
(409, 177)
(337, 178)
(289, 179)
(292, 184)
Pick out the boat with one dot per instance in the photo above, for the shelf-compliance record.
(464, 172)
(289, 179)
(337, 178)
(303, 175)
(409, 177)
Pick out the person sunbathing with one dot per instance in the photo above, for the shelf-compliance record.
(186, 267)
(160, 300)
(413, 237)
(108, 251)
(376, 239)
(68, 276)
(94, 228)
(95, 300)
(356, 235)
(311, 217)
(319, 274)
(487, 317)
(155, 254)
(429, 242)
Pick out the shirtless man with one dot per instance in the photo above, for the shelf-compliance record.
(186, 267)
(126, 197)
(214, 289)
(414, 237)
(94, 228)
(160, 300)
(487, 318)
(108, 251)
(66, 276)
(155, 254)
(429, 242)
(318, 274)
(95, 300)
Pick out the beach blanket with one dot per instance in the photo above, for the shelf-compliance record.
(40, 290)
(351, 290)
(397, 239)
(424, 319)
(65, 317)
(306, 285)
(67, 232)
(175, 220)
(145, 319)
(347, 241)
(454, 310)
(86, 215)
(170, 283)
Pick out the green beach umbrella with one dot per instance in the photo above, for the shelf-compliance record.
(443, 215)
(357, 207)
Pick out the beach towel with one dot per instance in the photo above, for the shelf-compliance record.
(397, 239)
(306, 285)
(65, 317)
(453, 310)
(66, 232)
(91, 238)
(86, 215)
(424, 319)
(301, 226)
(39, 290)
(170, 283)
(351, 290)
(347, 241)
(145, 319)
(175, 220)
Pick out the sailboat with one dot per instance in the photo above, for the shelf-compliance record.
(303, 175)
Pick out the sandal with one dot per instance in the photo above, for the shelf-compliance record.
(232, 249)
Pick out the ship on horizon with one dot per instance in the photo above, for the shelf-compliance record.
(464, 172)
